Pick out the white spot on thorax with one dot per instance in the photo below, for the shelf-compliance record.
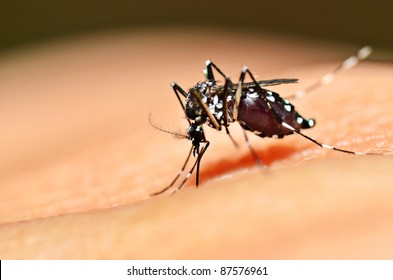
(215, 99)
(212, 108)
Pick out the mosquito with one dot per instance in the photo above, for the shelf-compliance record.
(255, 108)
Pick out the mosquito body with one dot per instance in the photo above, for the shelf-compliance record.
(254, 107)
(254, 111)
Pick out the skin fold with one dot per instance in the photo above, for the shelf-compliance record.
(80, 159)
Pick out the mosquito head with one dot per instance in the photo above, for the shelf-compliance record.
(196, 134)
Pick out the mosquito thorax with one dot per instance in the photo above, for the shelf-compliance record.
(193, 107)
(209, 94)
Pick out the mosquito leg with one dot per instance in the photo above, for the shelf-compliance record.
(197, 165)
(205, 109)
(350, 62)
(223, 97)
(200, 155)
(237, 102)
(322, 145)
(268, 102)
(179, 91)
(239, 92)
(254, 154)
(230, 136)
(209, 70)
(177, 176)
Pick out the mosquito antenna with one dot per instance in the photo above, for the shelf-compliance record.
(350, 62)
(164, 130)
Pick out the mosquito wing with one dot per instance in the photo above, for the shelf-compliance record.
(274, 82)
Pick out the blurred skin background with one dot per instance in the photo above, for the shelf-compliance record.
(79, 78)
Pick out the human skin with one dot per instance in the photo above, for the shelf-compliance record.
(80, 159)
